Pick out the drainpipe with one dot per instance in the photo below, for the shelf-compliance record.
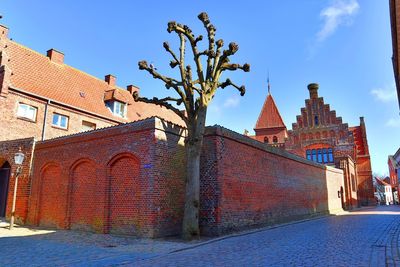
(45, 120)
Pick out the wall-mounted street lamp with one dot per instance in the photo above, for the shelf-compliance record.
(18, 160)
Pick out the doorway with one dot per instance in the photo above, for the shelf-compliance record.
(4, 181)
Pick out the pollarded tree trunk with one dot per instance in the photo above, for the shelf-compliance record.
(192, 195)
(195, 92)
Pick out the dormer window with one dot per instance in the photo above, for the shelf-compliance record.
(117, 108)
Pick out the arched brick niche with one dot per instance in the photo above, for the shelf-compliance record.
(52, 187)
(126, 195)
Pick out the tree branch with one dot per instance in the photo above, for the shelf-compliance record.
(232, 67)
(211, 39)
(187, 32)
(169, 82)
(220, 44)
(168, 49)
(228, 82)
(162, 102)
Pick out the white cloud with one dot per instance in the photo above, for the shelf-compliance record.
(393, 123)
(384, 95)
(215, 110)
(232, 102)
(338, 13)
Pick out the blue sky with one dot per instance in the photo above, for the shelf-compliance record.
(344, 45)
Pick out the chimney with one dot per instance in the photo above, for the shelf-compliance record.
(110, 79)
(132, 88)
(313, 88)
(362, 120)
(3, 31)
(55, 56)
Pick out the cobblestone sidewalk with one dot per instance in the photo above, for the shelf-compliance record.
(362, 238)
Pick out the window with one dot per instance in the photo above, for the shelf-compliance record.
(275, 139)
(88, 126)
(316, 120)
(325, 155)
(60, 121)
(26, 111)
(314, 155)
(117, 108)
(308, 152)
(319, 155)
(266, 140)
(330, 154)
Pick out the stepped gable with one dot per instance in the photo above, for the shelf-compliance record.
(316, 112)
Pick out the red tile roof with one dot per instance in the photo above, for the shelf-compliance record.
(269, 116)
(36, 73)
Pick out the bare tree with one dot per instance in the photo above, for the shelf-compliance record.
(195, 90)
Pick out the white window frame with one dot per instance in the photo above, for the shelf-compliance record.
(59, 121)
(24, 111)
(115, 107)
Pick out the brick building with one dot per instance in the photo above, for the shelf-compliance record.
(394, 171)
(395, 28)
(320, 136)
(42, 97)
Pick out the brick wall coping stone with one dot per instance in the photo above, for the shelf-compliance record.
(17, 140)
(237, 137)
(154, 123)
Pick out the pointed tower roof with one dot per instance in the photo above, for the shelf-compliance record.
(269, 116)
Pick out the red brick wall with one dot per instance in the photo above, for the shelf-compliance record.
(365, 186)
(52, 197)
(127, 192)
(124, 179)
(7, 152)
(246, 183)
(84, 197)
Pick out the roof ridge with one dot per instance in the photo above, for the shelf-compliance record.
(277, 110)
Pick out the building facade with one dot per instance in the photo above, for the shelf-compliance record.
(383, 192)
(42, 97)
(394, 171)
(395, 28)
(321, 136)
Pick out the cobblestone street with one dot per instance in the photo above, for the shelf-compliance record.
(369, 237)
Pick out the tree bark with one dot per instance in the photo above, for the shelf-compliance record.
(192, 195)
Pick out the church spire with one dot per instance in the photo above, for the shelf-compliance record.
(269, 85)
